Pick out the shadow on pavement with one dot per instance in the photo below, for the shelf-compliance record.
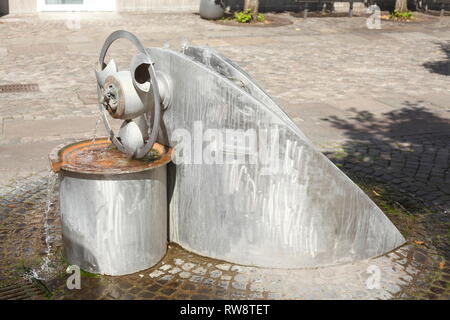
(406, 154)
(440, 67)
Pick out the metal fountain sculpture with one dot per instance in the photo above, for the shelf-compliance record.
(122, 199)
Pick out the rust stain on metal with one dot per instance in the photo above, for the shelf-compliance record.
(18, 87)
(102, 157)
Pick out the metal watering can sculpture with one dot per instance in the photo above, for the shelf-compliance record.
(294, 209)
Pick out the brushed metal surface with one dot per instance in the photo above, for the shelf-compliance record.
(220, 64)
(114, 224)
(296, 210)
(153, 105)
(211, 9)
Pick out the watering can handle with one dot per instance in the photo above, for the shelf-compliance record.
(153, 128)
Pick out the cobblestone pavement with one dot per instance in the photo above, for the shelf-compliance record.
(405, 273)
(376, 101)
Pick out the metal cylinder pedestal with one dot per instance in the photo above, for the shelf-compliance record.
(113, 223)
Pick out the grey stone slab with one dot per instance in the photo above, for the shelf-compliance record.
(37, 49)
(359, 104)
(3, 52)
(31, 128)
(23, 159)
(311, 119)
(398, 101)
(410, 36)
(439, 99)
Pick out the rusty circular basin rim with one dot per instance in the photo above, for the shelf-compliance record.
(58, 159)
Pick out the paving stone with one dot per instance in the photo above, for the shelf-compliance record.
(147, 295)
(156, 274)
(196, 279)
(179, 262)
(199, 270)
(185, 274)
(188, 266)
(166, 278)
(239, 285)
(174, 270)
(215, 273)
(165, 267)
(224, 267)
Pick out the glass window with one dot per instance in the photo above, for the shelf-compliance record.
(63, 1)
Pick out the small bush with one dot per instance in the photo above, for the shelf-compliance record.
(260, 17)
(397, 15)
(243, 16)
(248, 16)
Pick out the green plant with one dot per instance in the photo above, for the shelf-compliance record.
(248, 15)
(406, 15)
(152, 155)
(260, 17)
(87, 274)
(243, 16)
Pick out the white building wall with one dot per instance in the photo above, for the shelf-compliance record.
(158, 5)
(88, 5)
(31, 6)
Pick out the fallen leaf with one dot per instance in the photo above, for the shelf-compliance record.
(442, 265)
(419, 242)
(10, 206)
(376, 193)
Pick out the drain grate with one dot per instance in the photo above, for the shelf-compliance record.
(21, 290)
(17, 87)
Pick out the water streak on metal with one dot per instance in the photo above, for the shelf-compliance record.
(113, 208)
(114, 224)
(297, 210)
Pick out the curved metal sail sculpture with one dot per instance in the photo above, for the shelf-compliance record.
(248, 187)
